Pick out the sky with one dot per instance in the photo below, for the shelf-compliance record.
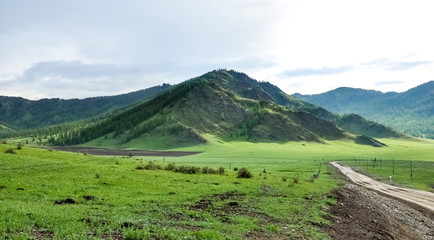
(86, 48)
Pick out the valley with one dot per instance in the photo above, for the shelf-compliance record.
(219, 156)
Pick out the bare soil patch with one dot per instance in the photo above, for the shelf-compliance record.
(364, 214)
(118, 152)
(39, 234)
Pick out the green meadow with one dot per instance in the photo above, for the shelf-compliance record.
(60, 195)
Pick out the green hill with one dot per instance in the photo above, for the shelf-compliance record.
(221, 103)
(411, 112)
(5, 129)
(20, 113)
(357, 125)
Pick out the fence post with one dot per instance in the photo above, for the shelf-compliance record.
(393, 168)
(411, 169)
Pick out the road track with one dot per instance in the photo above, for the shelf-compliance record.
(422, 198)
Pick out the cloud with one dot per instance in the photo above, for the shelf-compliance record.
(77, 79)
(392, 65)
(386, 83)
(302, 72)
(121, 45)
(74, 70)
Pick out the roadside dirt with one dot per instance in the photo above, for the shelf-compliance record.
(364, 214)
(361, 213)
(116, 152)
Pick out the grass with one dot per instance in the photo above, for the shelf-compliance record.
(114, 199)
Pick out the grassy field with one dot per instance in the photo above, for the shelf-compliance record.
(111, 198)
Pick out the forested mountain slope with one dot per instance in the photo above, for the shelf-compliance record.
(223, 103)
(411, 112)
(20, 113)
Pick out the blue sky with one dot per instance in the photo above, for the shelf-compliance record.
(76, 49)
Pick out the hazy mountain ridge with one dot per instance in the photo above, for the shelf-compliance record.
(411, 112)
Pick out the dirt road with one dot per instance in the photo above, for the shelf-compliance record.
(117, 152)
(413, 196)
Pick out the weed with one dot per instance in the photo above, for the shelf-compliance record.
(235, 169)
(284, 179)
(97, 175)
(19, 146)
(296, 179)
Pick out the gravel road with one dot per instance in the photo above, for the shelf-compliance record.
(421, 198)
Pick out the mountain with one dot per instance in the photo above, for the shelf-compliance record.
(20, 113)
(411, 112)
(226, 104)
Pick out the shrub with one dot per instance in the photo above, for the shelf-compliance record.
(19, 146)
(4, 141)
(206, 170)
(221, 170)
(284, 179)
(235, 169)
(10, 150)
(170, 167)
(244, 173)
(152, 166)
(188, 169)
(140, 167)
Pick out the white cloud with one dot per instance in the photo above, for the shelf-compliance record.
(310, 45)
